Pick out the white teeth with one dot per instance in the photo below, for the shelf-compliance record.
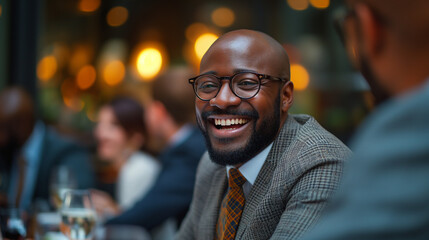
(229, 122)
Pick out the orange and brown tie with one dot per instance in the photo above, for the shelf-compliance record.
(232, 207)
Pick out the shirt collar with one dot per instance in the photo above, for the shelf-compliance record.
(181, 135)
(251, 168)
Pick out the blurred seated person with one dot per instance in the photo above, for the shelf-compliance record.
(120, 134)
(170, 118)
(30, 151)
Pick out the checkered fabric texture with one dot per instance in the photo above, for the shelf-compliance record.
(232, 207)
(301, 172)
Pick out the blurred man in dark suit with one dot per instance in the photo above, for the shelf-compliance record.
(385, 193)
(30, 151)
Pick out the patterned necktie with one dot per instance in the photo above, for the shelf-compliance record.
(231, 208)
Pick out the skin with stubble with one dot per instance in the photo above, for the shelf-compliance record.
(256, 121)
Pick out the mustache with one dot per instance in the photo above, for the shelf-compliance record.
(250, 114)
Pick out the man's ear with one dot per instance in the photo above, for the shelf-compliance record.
(286, 96)
(372, 36)
(156, 111)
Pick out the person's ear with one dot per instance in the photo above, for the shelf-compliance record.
(160, 110)
(154, 113)
(372, 36)
(137, 140)
(286, 96)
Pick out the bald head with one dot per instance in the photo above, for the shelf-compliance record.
(253, 46)
(16, 116)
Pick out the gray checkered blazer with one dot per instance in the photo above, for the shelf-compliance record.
(301, 172)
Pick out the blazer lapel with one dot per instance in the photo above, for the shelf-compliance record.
(257, 193)
(210, 214)
(262, 183)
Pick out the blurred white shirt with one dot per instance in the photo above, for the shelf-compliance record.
(136, 177)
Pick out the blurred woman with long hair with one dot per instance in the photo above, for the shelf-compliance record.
(121, 134)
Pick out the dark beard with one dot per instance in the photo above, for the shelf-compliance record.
(259, 139)
(380, 94)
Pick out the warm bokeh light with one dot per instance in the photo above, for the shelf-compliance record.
(62, 53)
(69, 88)
(223, 17)
(86, 77)
(69, 92)
(89, 5)
(46, 68)
(117, 16)
(0, 9)
(190, 56)
(75, 104)
(203, 43)
(194, 30)
(80, 56)
(299, 77)
(91, 114)
(149, 63)
(321, 4)
(298, 5)
(114, 73)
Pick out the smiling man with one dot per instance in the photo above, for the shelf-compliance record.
(267, 173)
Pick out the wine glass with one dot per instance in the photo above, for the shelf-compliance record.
(78, 217)
(121, 232)
(62, 180)
(12, 224)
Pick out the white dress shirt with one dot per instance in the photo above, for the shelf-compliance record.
(135, 178)
(251, 169)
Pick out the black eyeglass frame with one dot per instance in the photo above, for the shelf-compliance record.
(343, 14)
(259, 75)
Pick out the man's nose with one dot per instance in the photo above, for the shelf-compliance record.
(225, 97)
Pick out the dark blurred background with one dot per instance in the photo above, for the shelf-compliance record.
(74, 54)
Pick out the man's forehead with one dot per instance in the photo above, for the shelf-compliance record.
(238, 49)
(241, 43)
(238, 43)
(248, 50)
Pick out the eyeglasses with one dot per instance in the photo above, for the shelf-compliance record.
(244, 84)
(340, 18)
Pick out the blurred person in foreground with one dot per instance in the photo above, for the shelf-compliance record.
(31, 150)
(385, 193)
(121, 134)
(169, 119)
(267, 173)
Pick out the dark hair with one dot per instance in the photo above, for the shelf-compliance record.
(172, 89)
(130, 114)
